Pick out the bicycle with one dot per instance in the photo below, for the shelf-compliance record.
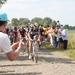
(35, 49)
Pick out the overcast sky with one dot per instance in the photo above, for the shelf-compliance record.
(62, 10)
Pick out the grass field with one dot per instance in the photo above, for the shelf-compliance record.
(71, 40)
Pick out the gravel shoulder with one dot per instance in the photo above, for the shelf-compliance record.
(49, 63)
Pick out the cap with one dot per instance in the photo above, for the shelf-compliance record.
(3, 16)
(36, 24)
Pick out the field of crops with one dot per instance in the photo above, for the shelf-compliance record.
(71, 41)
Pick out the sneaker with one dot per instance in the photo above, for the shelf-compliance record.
(43, 41)
(30, 56)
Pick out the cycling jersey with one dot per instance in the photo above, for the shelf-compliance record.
(34, 32)
(15, 32)
(22, 32)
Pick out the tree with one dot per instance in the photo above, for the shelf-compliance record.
(37, 19)
(53, 23)
(14, 22)
(66, 26)
(2, 2)
(47, 21)
(24, 21)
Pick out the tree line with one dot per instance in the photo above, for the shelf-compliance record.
(47, 21)
(26, 21)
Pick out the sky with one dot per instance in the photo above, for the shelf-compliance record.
(62, 10)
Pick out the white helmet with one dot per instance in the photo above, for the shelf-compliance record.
(31, 25)
(36, 24)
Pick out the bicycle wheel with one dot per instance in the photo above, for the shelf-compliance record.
(35, 54)
(36, 57)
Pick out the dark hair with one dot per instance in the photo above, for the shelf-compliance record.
(41, 25)
(47, 25)
(58, 21)
(53, 27)
(2, 22)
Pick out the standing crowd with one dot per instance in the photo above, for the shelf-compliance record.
(56, 35)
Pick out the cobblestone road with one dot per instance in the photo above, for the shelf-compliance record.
(50, 63)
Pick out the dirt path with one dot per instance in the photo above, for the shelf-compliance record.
(50, 63)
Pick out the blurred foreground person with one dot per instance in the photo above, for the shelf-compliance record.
(13, 51)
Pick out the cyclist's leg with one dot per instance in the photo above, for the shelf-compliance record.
(30, 46)
(30, 49)
(26, 44)
(38, 39)
(35, 49)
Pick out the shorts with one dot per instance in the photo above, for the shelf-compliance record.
(60, 40)
(32, 36)
(46, 36)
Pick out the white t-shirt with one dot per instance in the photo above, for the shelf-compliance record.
(65, 37)
(58, 33)
(58, 24)
(5, 44)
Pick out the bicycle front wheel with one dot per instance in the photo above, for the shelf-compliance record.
(36, 57)
(35, 54)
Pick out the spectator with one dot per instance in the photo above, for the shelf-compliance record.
(58, 23)
(60, 40)
(5, 45)
(54, 36)
(64, 37)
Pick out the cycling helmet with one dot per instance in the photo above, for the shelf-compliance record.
(35, 24)
(31, 25)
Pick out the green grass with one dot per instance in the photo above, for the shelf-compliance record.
(71, 40)
(71, 31)
(69, 52)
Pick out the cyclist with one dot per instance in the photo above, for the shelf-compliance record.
(22, 32)
(11, 35)
(21, 35)
(15, 34)
(33, 32)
